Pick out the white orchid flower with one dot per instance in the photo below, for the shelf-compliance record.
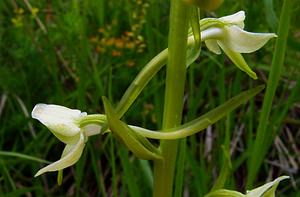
(64, 123)
(267, 190)
(233, 40)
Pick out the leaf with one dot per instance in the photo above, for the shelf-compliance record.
(136, 143)
(203, 121)
(270, 14)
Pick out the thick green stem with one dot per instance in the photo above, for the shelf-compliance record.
(263, 137)
(175, 82)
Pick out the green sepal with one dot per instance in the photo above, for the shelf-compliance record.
(139, 145)
(238, 60)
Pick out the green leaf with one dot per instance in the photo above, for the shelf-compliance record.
(264, 138)
(136, 143)
(271, 17)
(203, 121)
(23, 156)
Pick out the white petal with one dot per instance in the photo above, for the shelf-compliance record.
(210, 37)
(67, 139)
(262, 190)
(212, 33)
(235, 19)
(70, 156)
(213, 46)
(92, 129)
(238, 60)
(58, 119)
(242, 41)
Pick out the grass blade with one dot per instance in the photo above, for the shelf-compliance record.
(259, 149)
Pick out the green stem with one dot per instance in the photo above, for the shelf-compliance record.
(141, 80)
(262, 137)
(175, 82)
(152, 67)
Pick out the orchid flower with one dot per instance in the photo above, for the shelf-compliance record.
(266, 190)
(227, 33)
(65, 124)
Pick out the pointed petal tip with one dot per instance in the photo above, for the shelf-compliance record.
(282, 178)
(39, 173)
(269, 35)
(274, 35)
(241, 13)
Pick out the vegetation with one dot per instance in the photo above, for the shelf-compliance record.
(72, 53)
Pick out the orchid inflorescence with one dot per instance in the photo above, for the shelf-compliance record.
(73, 127)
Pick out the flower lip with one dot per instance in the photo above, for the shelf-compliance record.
(212, 33)
(58, 119)
(70, 156)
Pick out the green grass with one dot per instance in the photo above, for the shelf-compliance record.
(77, 61)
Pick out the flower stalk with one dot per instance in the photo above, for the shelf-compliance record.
(174, 92)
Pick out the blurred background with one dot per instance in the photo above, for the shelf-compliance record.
(73, 52)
